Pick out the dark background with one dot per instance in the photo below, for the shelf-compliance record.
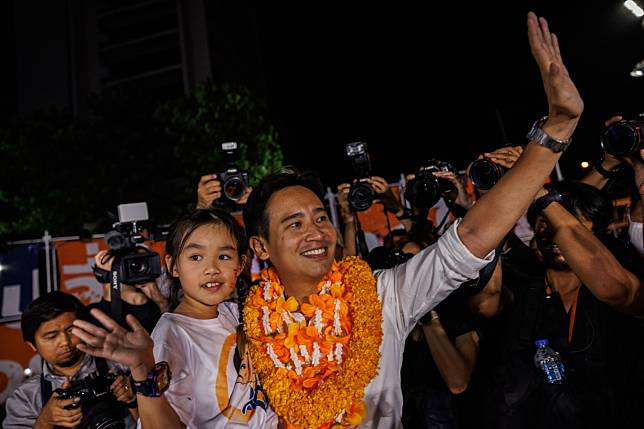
(415, 81)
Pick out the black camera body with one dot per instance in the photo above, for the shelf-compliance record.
(100, 408)
(484, 173)
(425, 189)
(361, 194)
(133, 264)
(382, 258)
(623, 138)
(233, 180)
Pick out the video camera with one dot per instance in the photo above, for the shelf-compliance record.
(100, 408)
(360, 194)
(233, 180)
(425, 189)
(623, 138)
(132, 264)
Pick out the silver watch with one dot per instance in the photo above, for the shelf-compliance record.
(537, 135)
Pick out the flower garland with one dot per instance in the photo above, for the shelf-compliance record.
(315, 360)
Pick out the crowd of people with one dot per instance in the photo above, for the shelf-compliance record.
(441, 327)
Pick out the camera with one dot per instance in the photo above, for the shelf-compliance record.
(360, 194)
(382, 258)
(133, 264)
(100, 408)
(623, 138)
(233, 180)
(425, 189)
(484, 173)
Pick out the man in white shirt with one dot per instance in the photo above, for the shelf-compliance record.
(288, 226)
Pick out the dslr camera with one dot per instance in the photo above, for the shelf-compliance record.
(484, 173)
(382, 258)
(233, 180)
(100, 408)
(623, 138)
(360, 194)
(425, 189)
(133, 264)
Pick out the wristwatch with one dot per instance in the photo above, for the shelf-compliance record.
(539, 136)
(156, 382)
(542, 202)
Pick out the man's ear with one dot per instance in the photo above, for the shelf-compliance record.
(32, 346)
(258, 244)
(168, 264)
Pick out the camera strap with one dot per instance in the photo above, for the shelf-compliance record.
(46, 387)
(116, 304)
(361, 241)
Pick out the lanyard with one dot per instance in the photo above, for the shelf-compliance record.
(573, 308)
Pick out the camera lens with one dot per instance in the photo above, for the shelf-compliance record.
(360, 196)
(115, 240)
(484, 173)
(423, 191)
(234, 188)
(138, 266)
(622, 138)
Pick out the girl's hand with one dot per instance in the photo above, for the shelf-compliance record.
(132, 348)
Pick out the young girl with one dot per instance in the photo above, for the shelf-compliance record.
(210, 384)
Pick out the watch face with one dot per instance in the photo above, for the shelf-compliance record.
(162, 380)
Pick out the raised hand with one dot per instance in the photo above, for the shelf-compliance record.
(564, 101)
(462, 198)
(132, 348)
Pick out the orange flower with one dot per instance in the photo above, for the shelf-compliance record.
(325, 389)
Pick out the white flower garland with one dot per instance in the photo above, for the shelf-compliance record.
(317, 354)
(273, 356)
(338, 352)
(296, 361)
(337, 328)
(304, 351)
(265, 320)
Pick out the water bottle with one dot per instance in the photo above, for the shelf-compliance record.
(549, 362)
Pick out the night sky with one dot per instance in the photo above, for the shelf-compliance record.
(436, 78)
(413, 80)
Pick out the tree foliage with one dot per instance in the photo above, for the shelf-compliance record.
(63, 174)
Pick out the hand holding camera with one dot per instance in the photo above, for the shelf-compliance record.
(488, 169)
(93, 398)
(122, 389)
(60, 411)
(209, 190)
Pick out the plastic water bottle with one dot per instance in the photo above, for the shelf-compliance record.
(549, 362)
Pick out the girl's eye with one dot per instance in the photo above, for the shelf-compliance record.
(195, 258)
(224, 257)
(295, 225)
(323, 218)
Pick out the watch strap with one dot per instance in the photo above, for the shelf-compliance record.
(544, 201)
(150, 386)
(540, 137)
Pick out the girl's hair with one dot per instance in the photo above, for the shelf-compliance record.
(182, 229)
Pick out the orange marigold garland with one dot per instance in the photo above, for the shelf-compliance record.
(315, 360)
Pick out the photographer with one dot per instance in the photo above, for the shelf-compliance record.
(384, 196)
(144, 301)
(46, 326)
(209, 190)
(611, 166)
